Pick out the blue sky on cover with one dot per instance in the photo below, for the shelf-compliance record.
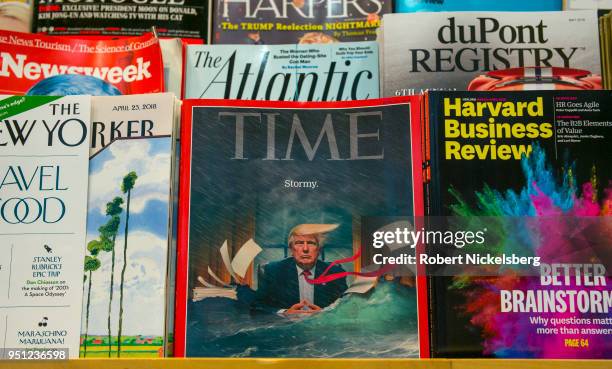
(144, 293)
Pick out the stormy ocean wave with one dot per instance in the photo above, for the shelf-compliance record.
(382, 323)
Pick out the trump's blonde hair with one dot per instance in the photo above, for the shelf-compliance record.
(318, 231)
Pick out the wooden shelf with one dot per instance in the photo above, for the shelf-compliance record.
(307, 364)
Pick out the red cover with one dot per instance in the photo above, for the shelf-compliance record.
(131, 65)
(185, 193)
(536, 78)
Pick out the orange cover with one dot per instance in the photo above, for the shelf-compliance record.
(127, 66)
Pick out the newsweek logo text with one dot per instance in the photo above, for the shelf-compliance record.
(19, 66)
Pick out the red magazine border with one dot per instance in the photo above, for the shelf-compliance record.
(185, 195)
(182, 251)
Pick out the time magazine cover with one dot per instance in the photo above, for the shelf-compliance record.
(276, 201)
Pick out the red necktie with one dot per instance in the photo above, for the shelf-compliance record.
(306, 274)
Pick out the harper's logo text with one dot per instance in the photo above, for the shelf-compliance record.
(282, 8)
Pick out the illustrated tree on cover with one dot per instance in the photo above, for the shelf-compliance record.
(91, 265)
(109, 231)
(126, 187)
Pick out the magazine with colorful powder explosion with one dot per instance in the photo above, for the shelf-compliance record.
(540, 156)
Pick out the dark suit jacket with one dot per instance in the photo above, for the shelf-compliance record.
(279, 287)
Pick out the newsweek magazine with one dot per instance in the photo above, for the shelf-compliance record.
(268, 22)
(461, 50)
(533, 169)
(35, 64)
(171, 18)
(332, 72)
(262, 198)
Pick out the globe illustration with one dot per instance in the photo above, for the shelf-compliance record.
(73, 84)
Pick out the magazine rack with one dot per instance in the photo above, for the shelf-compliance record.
(307, 363)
